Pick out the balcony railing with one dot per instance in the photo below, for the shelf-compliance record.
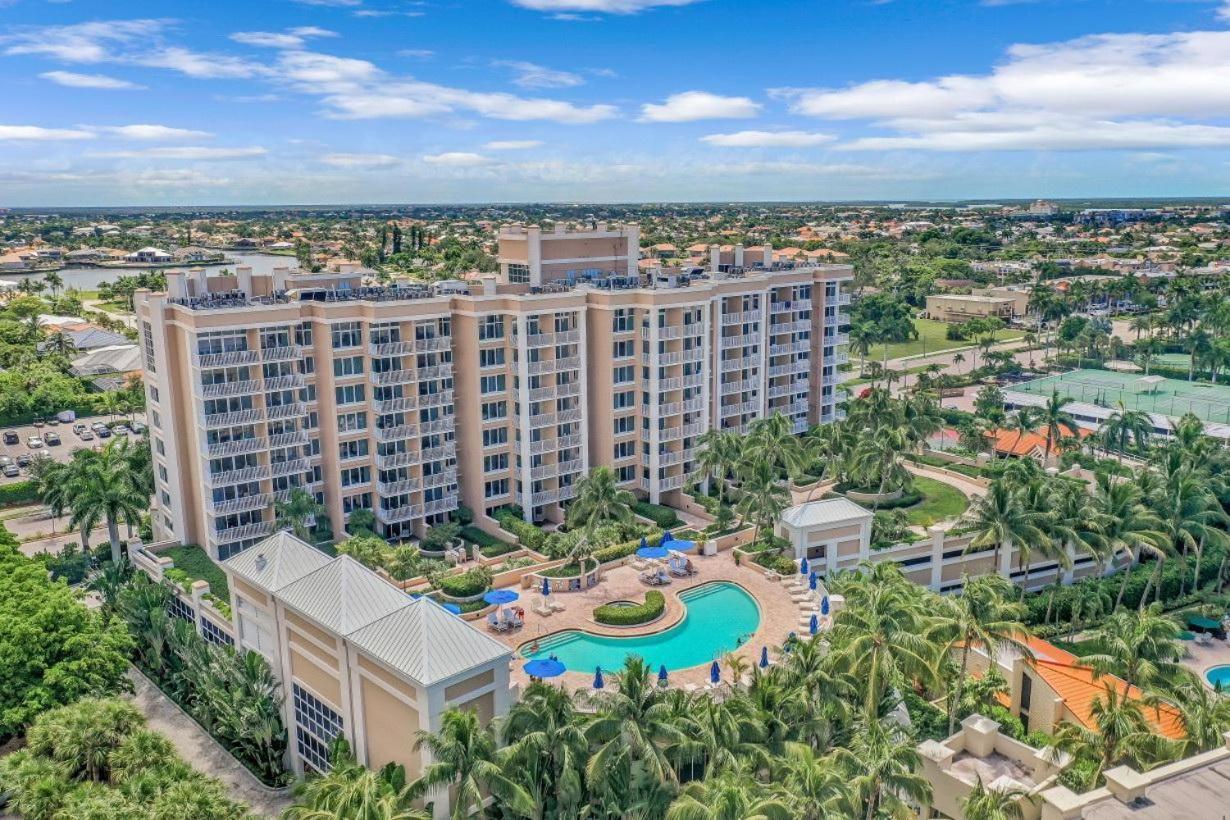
(443, 425)
(237, 447)
(843, 298)
(792, 347)
(694, 380)
(440, 505)
(554, 365)
(739, 408)
(400, 487)
(739, 386)
(289, 439)
(243, 532)
(281, 354)
(406, 513)
(801, 366)
(741, 318)
(440, 479)
(670, 482)
(287, 382)
(542, 420)
(241, 476)
(286, 411)
(237, 505)
(229, 358)
(730, 365)
(790, 327)
(294, 465)
(228, 389)
(215, 420)
(394, 377)
(669, 457)
(396, 433)
(741, 340)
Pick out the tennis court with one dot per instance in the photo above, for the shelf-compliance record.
(1153, 394)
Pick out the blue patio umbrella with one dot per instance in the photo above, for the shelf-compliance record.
(653, 552)
(803, 566)
(662, 674)
(544, 668)
(500, 596)
(824, 605)
(598, 681)
(644, 543)
(811, 580)
(666, 536)
(546, 586)
(453, 608)
(764, 657)
(814, 626)
(715, 673)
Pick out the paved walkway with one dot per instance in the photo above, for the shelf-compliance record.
(199, 750)
(779, 614)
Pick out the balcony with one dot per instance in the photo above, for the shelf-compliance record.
(542, 420)
(439, 453)
(400, 487)
(843, 298)
(438, 371)
(673, 408)
(787, 349)
(434, 344)
(837, 358)
(800, 425)
(569, 441)
(397, 433)
(740, 408)
(281, 354)
(669, 458)
(801, 366)
(395, 460)
(731, 365)
(557, 392)
(441, 505)
(790, 305)
(291, 439)
(394, 377)
(240, 476)
(745, 317)
(229, 358)
(391, 349)
(443, 479)
(670, 434)
(294, 465)
(787, 389)
(570, 415)
(243, 532)
(790, 327)
(237, 447)
(407, 513)
(694, 405)
(673, 383)
(215, 420)
(286, 411)
(237, 505)
(739, 386)
(545, 497)
(396, 405)
(670, 482)
(291, 381)
(694, 380)
(443, 425)
(228, 389)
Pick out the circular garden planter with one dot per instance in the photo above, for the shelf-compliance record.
(587, 578)
(873, 498)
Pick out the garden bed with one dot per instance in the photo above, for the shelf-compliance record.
(488, 545)
(624, 614)
(664, 517)
(572, 570)
(939, 502)
(198, 566)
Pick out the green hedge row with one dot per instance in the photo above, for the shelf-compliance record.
(664, 517)
(614, 553)
(527, 534)
(466, 584)
(488, 544)
(653, 607)
(19, 492)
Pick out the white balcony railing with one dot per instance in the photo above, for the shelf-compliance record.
(405, 513)
(213, 421)
(286, 411)
(243, 475)
(745, 317)
(394, 377)
(228, 389)
(237, 447)
(243, 532)
(294, 465)
(237, 505)
(230, 358)
(289, 439)
(281, 354)
(400, 487)
(396, 433)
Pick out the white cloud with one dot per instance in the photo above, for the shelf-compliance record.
(36, 134)
(199, 64)
(768, 139)
(456, 159)
(512, 145)
(361, 160)
(81, 42)
(1111, 91)
(96, 81)
(532, 75)
(153, 132)
(604, 6)
(690, 106)
(417, 53)
(294, 38)
(193, 152)
(1224, 12)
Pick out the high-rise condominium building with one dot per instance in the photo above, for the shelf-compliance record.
(411, 400)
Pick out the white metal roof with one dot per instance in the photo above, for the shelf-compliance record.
(427, 643)
(826, 512)
(343, 595)
(279, 560)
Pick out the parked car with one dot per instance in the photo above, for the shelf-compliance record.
(10, 470)
(103, 432)
(39, 421)
(138, 427)
(78, 427)
(85, 435)
(5, 461)
(34, 443)
(23, 460)
(120, 430)
(98, 425)
(52, 421)
(11, 437)
(52, 439)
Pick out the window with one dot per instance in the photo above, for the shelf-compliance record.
(491, 357)
(625, 449)
(351, 394)
(350, 422)
(316, 725)
(179, 609)
(624, 349)
(348, 366)
(495, 436)
(495, 489)
(496, 462)
(624, 425)
(362, 501)
(625, 374)
(346, 334)
(492, 327)
(625, 400)
(212, 633)
(356, 475)
(623, 320)
(352, 449)
(491, 384)
(495, 410)
(625, 474)
(147, 334)
(518, 274)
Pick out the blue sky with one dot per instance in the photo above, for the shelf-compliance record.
(332, 101)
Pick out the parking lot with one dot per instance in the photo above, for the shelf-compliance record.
(69, 440)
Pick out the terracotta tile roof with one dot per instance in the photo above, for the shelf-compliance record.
(1016, 443)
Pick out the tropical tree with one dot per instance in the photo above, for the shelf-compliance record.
(1000, 519)
(728, 796)
(599, 500)
(1120, 735)
(1124, 426)
(547, 749)
(882, 764)
(762, 497)
(718, 456)
(298, 513)
(1142, 647)
(463, 759)
(1056, 420)
(772, 440)
(351, 790)
(983, 803)
(100, 487)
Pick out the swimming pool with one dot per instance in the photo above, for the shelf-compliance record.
(1219, 676)
(718, 615)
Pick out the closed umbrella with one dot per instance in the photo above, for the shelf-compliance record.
(653, 552)
(453, 608)
(546, 586)
(803, 566)
(644, 543)
(814, 626)
(598, 682)
(764, 657)
(715, 673)
(811, 581)
(824, 605)
(662, 675)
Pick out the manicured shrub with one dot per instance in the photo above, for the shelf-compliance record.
(19, 492)
(653, 607)
(664, 517)
(528, 535)
(471, 582)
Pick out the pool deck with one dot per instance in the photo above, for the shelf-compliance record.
(779, 614)
(1201, 659)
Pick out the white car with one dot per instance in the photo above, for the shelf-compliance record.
(34, 443)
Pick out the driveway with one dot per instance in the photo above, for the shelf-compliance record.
(199, 749)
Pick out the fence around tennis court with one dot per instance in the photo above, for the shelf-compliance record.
(1152, 394)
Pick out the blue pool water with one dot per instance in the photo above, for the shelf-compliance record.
(717, 616)
(1219, 676)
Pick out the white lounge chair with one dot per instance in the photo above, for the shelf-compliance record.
(540, 607)
(554, 605)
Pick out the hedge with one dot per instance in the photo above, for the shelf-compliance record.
(19, 492)
(653, 607)
(469, 583)
(614, 553)
(488, 544)
(664, 517)
(527, 534)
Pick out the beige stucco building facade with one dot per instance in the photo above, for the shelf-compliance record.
(411, 400)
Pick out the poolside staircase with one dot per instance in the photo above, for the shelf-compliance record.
(808, 602)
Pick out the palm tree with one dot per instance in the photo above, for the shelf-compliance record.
(361, 520)
(729, 796)
(814, 786)
(863, 335)
(982, 616)
(877, 459)
(762, 497)
(351, 790)
(297, 513)
(1126, 524)
(1023, 420)
(983, 803)
(1142, 647)
(1126, 425)
(882, 765)
(1205, 715)
(54, 281)
(100, 487)
(599, 500)
(546, 749)
(722, 735)
(1055, 419)
(463, 758)
(718, 455)
(1120, 735)
(773, 441)
(1000, 520)
(1141, 324)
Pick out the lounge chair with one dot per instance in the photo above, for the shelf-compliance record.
(554, 605)
(540, 607)
(495, 624)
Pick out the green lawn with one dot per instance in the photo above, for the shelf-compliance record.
(931, 339)
(193, 560)
(940, 502)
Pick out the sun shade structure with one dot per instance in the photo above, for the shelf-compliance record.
(653, 552)
(453, 608)
(544, 668)
(500, 596)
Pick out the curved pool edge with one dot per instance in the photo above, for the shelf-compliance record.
(1204, 676)
(520, 650)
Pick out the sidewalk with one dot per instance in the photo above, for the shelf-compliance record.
(201, 751)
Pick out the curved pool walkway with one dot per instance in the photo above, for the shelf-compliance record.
(779, 615)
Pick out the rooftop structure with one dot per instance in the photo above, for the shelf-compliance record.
(951, 307)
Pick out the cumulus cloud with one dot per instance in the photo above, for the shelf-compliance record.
(294, 38)
(1098, 91)
(361, 160)
(603, 6)
(690, 106)
(769, 139)
(36, 133)
(532, 75)
(191, 152)
(512, 145)
(457, 159)
(153, 132)
(96, 81)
